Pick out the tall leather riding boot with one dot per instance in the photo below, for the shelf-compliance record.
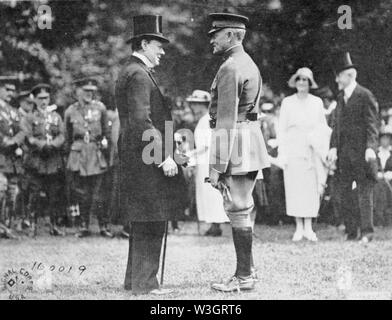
(242, 238)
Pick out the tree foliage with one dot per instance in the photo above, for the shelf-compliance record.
(88, 38)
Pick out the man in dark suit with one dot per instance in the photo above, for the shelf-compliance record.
(238, 152)
(354, 143)
(147, 179)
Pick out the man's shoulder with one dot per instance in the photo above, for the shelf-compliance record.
(363, 90)
(71, 108)
(98, 105)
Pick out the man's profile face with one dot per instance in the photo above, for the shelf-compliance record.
(343, 79)
(42, 99)
(153, 50)
(220, 42)
(7, 91)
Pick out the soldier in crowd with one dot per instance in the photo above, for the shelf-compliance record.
(11, 139)
(86, 132)
(26, 105)
(44, 163)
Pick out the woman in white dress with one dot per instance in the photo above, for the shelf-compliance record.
(209, 200)
(303, 137)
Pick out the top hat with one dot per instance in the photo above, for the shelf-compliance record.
(41, 87)
(147, 26)
(342, 61)
(87, 83)
(304, 72)
(199, 96)
(227, 20)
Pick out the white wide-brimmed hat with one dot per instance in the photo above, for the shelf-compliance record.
(199, 96)
(303, 72)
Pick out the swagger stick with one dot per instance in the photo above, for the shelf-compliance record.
(164, 252)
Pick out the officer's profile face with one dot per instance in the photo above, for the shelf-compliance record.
(42, 99)
(153, 50)
(220, 41)
(7, 91)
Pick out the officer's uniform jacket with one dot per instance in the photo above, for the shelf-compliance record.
(237, 144)
(11, 127)
(46, 132)
(85, 127)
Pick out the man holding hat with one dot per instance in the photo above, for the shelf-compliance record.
(43, 162)
(146, 201)
(11, 139)
(86, 140)
(354, 144)
(238, 152)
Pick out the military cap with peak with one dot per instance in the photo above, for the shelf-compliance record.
(25, 95)
(87, 83)
(41, 87)
(12, 80)
(227, 20)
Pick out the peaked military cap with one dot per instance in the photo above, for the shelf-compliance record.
(26, 94)
(227, 20)
(41, 87)
(148, 26)
(87, 83)
(8, 80)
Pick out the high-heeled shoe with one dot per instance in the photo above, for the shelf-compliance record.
(298, 235)
(311, 236)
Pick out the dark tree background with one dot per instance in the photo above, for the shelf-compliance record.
(88, 38)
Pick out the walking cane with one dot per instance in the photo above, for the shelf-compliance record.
(164, 252)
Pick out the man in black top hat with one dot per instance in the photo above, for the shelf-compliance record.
(238, 152)
(354, 144)
(146, 197)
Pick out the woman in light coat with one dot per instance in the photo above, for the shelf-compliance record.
(303, 145)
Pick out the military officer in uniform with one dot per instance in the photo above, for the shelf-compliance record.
(12, 136)
(86, 132)
(43, 162)
(238, 152)
(148, 184)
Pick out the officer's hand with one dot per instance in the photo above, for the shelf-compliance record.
(169, 167)
(214, 177)
(370, 155)
(332, 155)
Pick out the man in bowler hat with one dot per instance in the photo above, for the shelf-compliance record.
(353, 145)
(238, 152)
(146, 199)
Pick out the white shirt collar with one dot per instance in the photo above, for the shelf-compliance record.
(144, 59)
(236, 45)
(348, 91)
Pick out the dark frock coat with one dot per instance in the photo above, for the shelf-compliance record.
(146, 194)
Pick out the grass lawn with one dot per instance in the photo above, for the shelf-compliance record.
(286, 270)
